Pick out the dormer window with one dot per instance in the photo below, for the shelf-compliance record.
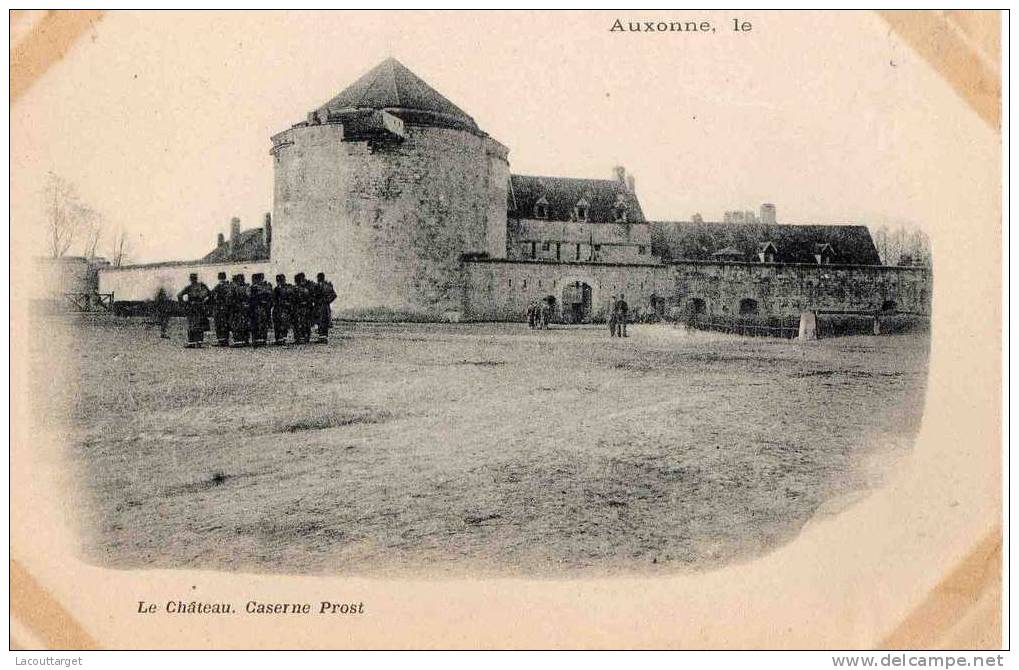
(766, 252)
(620, 211)
(823, 253)
(541, 209)
(580, 210)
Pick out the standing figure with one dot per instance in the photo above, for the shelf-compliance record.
(301, 309)
(613, 316)
(240, 298)
(622, 315)
(325, 296)
(281, 309)
(222, 295)
(194, 296)
(532, 313)
(544, 314)
(260, 309)
(162, 307)
(314, 299)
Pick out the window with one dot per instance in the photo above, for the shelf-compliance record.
(558, 251)
(534, 249)
(578, 252)
(620, 210)
(546, 246)
(580, 210)
(541, 209)
(640, 250)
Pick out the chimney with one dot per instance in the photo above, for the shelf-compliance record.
(620, 173)
(268, 231)
(235, 233)
(219, 240)
(631, 184)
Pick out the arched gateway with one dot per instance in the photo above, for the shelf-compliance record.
(577, 299)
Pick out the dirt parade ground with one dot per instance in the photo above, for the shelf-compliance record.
(470, 448)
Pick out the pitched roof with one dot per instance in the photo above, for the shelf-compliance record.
(563, 193)
(250, 246)
(852, 245)
(390, 86)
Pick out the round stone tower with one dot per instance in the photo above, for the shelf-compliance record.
(385, 188)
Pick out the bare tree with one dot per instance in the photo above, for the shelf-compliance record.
(902, 244)
(881, 242)
(69, 217)
(119, 249)
(93, 235)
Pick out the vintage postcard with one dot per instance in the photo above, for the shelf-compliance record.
(648, 329)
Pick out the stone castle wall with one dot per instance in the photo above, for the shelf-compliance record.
(388, 220)
(502, 290)
(789, 289)
(142, 282)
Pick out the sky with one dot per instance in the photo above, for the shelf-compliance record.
(163, 120)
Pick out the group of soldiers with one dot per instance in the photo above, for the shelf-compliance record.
(539, 313)
(243, 313)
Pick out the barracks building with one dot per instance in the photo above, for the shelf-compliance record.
(413, 213)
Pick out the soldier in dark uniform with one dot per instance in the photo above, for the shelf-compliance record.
(260, 309)
(222, 295)
(613, 316)
(194, 296)
(240, 296)
(314, 299)
(325, 296)
(622, 315)
(163, 307)
(281, 299)
(544, 314)
(301, 309)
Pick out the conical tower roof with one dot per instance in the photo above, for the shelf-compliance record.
(390, 86)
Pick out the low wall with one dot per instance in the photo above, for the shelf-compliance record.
(788, 289)
(500, 290)
(142, 282)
